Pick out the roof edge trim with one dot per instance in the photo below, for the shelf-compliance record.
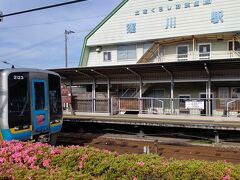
(84, 56)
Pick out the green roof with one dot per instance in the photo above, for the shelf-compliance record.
(85, 49)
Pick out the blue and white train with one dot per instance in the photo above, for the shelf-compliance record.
(31, 106)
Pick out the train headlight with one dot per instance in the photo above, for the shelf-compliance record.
(26, 127)
(55, 121)
(16, 128)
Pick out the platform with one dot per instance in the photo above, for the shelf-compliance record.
(161, 121)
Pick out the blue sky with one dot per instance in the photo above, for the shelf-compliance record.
(36, 39)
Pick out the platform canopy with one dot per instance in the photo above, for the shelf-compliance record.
(185, 71)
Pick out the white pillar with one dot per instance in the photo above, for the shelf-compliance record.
(94, 95)
(206, 100)
(140, 95)
(209, 97)
(172, 95)
(108, 96)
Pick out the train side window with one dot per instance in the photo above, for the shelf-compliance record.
(55, 101)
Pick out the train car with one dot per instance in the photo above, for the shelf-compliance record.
(31, 106)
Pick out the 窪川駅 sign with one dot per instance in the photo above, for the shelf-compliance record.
(171, 6)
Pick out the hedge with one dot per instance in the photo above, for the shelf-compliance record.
(25, 160)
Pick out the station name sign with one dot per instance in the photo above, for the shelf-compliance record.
(216, 16)
(172, 6)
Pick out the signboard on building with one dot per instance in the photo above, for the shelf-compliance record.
(194, 104)
(148, 20)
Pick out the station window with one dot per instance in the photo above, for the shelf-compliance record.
(182, 52)
(146, 46)
(204, 51)
(127, 52)
(107, 56)
(236, 45)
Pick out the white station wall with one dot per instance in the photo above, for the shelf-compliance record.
(151, 26)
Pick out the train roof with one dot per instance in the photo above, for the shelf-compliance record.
(9, 70)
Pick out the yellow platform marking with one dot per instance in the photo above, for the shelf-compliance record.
(154, 120)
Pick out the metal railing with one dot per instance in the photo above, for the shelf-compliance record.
(182, 57)
(198, 56)
(151, 106)
(205, 55)
(182, 106)
(233, 105)
(91, 105)
(226, 107)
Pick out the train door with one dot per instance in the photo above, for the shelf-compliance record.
(40, 106)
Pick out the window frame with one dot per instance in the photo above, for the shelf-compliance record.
(231, 41)
(182, 45)
(210, 53)
(127, 59)
(148, 43)
(107, 60)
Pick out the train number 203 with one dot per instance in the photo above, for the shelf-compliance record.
(18, 77)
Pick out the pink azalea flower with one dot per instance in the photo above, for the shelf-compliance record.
(141, 163)
(84, 157)
(32, 166)
(2, 160)
(31, 160)
(46, 163)
(225, 161)
(227, 177)
(81, 164)
(134, 178)
(54, 151)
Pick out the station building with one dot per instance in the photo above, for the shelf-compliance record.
(163, 57)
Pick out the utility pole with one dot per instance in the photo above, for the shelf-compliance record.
(66, 38)
(1, 18)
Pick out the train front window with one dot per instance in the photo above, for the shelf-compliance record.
(18, 99)
(39, 95)
(55, 97)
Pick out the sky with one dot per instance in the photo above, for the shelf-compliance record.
(36, 39)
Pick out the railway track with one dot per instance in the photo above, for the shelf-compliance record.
(166, 147)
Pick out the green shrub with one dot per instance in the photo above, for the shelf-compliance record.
(89, 163)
